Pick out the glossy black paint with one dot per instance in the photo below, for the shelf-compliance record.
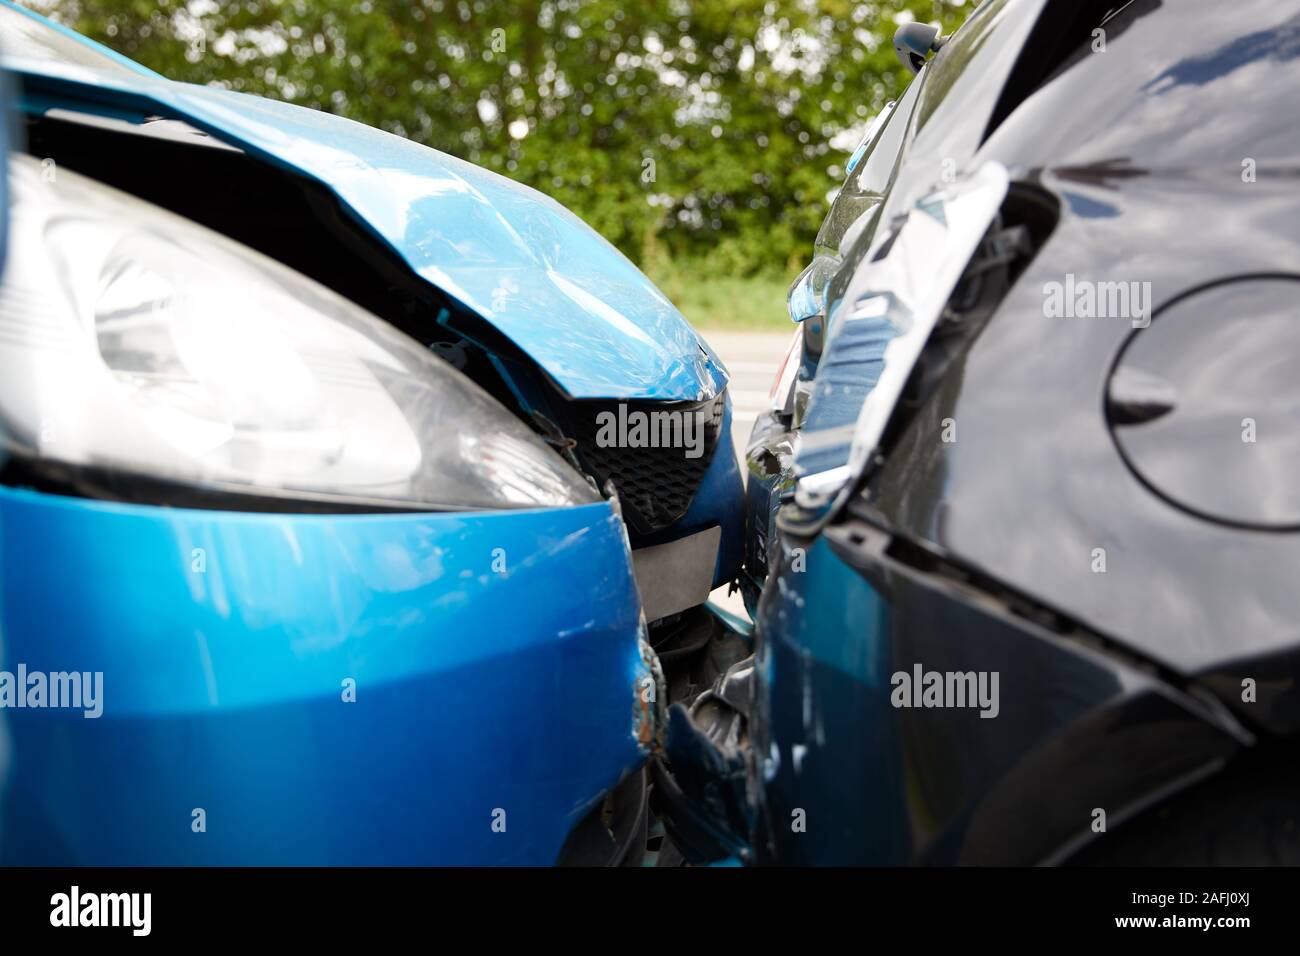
(1149, 174)
(1123, 600)
(1219, 439)
(958, 95)
(935, 127)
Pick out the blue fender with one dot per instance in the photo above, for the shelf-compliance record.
(315, 689)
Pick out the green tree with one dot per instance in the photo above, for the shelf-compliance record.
(678, 129)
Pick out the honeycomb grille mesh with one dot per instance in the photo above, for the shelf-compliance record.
(655, 485)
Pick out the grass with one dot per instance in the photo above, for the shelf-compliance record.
(752, 303)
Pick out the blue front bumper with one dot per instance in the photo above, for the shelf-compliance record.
(495, 661)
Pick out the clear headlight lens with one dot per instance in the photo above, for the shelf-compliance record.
(135, 340)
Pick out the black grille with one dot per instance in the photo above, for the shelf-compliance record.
(655, 485)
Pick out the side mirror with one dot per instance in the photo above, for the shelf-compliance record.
(914, 42)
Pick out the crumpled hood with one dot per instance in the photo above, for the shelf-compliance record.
(523, 262)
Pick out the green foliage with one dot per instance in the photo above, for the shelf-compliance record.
(712, 300)
(680, 130)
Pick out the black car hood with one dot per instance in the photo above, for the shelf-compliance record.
(1174, 158)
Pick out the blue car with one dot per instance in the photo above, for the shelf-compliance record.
(326, 534)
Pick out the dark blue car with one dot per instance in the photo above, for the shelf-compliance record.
(1027, 532)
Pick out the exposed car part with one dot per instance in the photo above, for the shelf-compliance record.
(886, 319)
(1021, 227)
(695, 649)
(769, 458)
(937, 124)
(624, 830)
(699, 788)
(703, 815)
(707, 767)
(850, 370)
(908, 286)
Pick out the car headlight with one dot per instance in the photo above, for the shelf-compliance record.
(137, 341)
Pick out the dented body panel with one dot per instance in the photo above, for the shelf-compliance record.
(1027, 622)
(328, 689)
(543, 278)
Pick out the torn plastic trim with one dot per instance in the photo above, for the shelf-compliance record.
(703, 773)
(700, 769)
(893, 302)
(926, 313)
(909, 287)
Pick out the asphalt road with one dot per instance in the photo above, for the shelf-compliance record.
(753, 359)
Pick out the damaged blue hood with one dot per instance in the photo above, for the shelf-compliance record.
(523, 262)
